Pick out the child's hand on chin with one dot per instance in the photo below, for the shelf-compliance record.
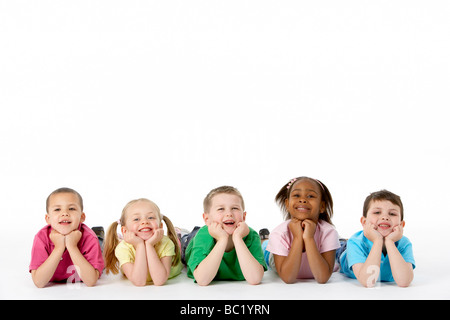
(73, 238)
(131, 238)
(396, 234)
(58, 239)
(242, 230)
(216, 231)
(370, 232)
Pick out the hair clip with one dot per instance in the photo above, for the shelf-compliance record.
(291, 182)
(320, 184)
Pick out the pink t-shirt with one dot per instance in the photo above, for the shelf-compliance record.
(280, 241)
(88, 245)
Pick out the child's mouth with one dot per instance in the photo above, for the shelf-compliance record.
(302, 208)
(229, 223)
(65, 222)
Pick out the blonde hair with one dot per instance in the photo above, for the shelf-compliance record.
(223, 189)
(112, 239)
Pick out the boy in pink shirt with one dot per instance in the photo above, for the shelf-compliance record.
(65, 247)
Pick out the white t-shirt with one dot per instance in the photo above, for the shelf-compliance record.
(326, 238)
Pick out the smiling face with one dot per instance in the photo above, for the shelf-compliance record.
(226, 209)
(384, 215)
(142, 218)
(64, 212)
(305, 200)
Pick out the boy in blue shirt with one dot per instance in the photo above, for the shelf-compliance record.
(379, 251)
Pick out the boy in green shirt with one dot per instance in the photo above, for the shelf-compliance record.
(225, 248)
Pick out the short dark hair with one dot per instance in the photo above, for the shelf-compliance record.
(64, 190)
(383, 195)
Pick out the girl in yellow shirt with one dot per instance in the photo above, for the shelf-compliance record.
(145, 254)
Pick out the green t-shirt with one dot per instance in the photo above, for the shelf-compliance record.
(203, 243)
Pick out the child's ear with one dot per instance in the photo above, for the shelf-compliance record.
(47, 218)
(363, 221)
(244, 215)
(322, 207)
(205, 217)
(402, 223)
(83, 217)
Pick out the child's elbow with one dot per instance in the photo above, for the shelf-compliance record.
(256, 278)
(202, 283)
(405, 283)
(39, 285)
(139, 283)
(322, 281)
(159, 283)
(91, 283)
(254, 282)
(289, 280)
(368, 285)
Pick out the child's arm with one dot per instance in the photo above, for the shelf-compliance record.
(367, 273)
(207, 269)
(321, 265)
(402, 271)
(288, 266)
(42, 275)
(252, 270)
(136, 272)
(86, 271)
(159, 268)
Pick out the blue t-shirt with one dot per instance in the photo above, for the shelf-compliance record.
(358, 249)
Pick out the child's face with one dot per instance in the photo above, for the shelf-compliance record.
(142, 218)
(305, 201)
(384, 216)
(64, 212)
(226, 209)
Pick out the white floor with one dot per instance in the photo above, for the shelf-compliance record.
(430, 282)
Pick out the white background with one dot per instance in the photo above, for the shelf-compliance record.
(169, 99)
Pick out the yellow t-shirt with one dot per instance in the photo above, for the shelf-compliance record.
(125, 252)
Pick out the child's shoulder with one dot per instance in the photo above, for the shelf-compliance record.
(282, 227)
(325, 226)
(45, 231)
(87, 232)
(357, 236)
(43, 236)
